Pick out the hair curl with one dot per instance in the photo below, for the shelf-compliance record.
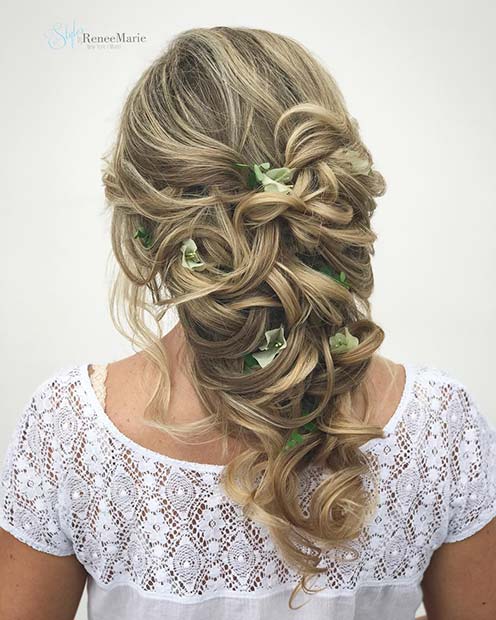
(214, 97)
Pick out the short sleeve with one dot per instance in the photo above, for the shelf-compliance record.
(30, 477)
(472, 466)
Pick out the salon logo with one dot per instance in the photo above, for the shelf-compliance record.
(60, 36)
(69, 36)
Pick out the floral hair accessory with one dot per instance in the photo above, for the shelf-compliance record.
(359, 165)
(343, 342)
(271, 180)
(191, 259)
(275, 342)
(145, 236)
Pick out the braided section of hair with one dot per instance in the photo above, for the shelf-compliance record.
(216, 97)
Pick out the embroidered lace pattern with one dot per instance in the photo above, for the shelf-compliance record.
(73, 483)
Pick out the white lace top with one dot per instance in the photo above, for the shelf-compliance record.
(160, 539)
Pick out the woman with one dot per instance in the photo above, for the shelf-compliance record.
(261, 459)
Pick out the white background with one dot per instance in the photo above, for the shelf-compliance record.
(418, 76)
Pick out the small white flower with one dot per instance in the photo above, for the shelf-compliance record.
(156, 527)
(261, 176)
(343, 342)
(190, 257)
(358, 164)
(91, 458)
(390, 452)
(146, 465)
(149, 480)
(30, 484)
(275, 342)
(208, 525)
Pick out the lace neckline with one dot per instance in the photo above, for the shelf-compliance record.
(411, 370)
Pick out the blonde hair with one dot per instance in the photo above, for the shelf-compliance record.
(216, 97)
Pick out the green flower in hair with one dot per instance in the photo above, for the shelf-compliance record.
(275, 342)
(145, 236)
(343, 342)
(359, 165)
(271, 180)
(190, 257)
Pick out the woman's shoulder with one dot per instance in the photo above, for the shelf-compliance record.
(421, 377)
(443, 391)
(390, 388)
(424, 406)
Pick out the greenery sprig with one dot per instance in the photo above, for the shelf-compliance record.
(145, 236)
(298, 435)
(339, 277)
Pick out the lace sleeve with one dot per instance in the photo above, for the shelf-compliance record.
(472, 467)
(29, 478)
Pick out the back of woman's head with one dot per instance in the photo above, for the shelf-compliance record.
(296, 260)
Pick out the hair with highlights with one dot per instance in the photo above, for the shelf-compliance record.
(216, 97)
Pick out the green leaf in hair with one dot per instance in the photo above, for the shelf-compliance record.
(145, 236)
(297, 435)
(340, 278)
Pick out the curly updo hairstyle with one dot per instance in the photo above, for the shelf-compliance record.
(216, 97)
